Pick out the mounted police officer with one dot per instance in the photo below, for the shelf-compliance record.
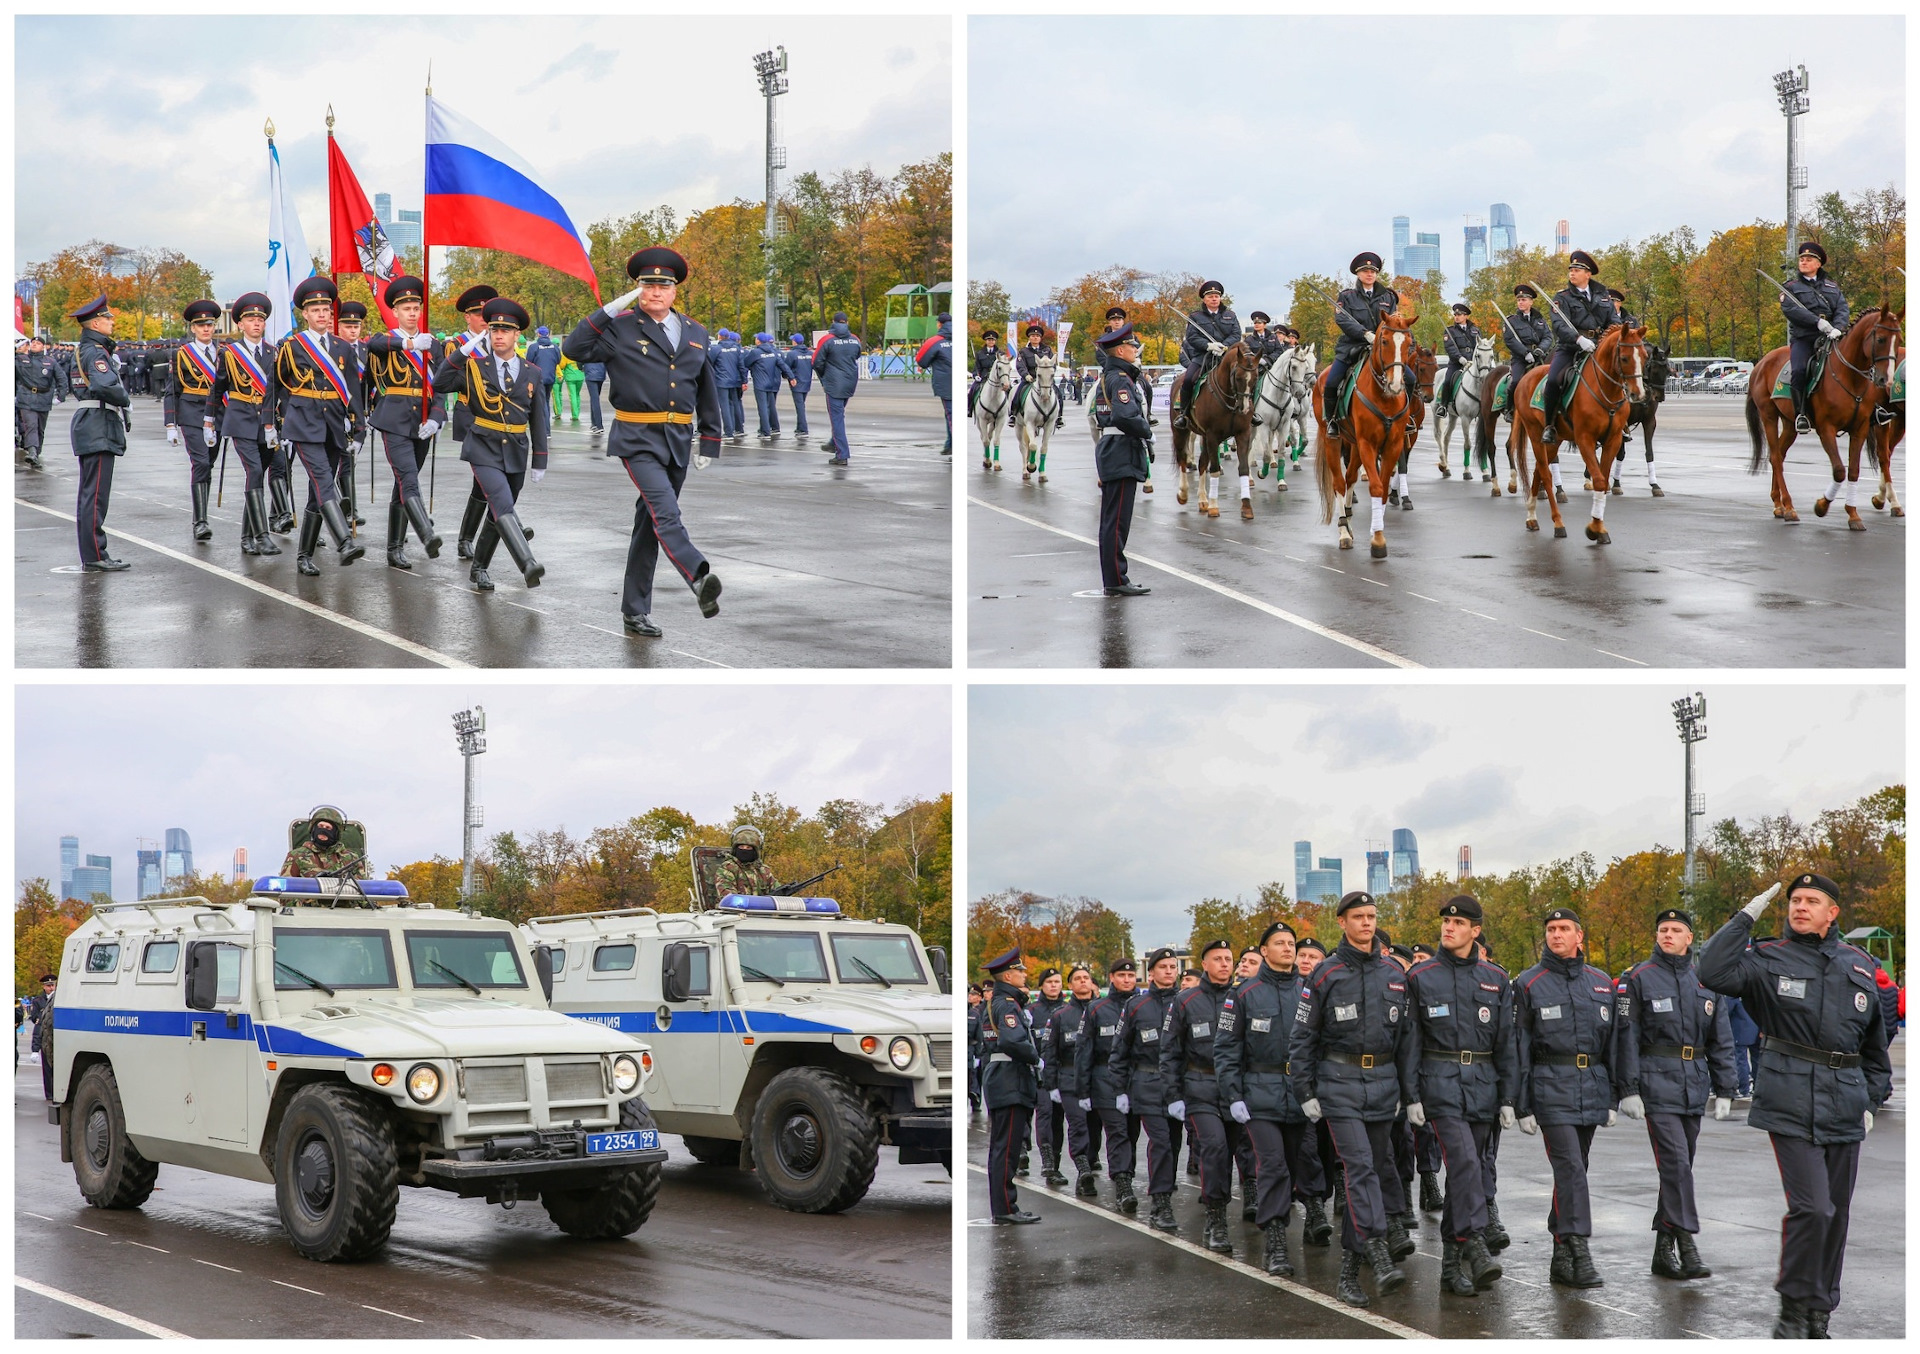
(1008, 1082)
(1135, 1060)
(983, 364)
(39, 382)
(1261, 341)
(1676, 1054)
(1821, 1072)
(1094, 1070)
(1815, 310)
(1463, 1082)
(1122, 453)
(317, 383)
(1570, 1077)
(99, 430)
(1187, 1036)
(506, 442)
(1528, 337)
(1210, 331)
(1116, 318)
(1357, 311)
(406, 413)
(1028, 362)
(1461, 338)
(1048, 1118)
(1351, 1035)
(245, 395)
(472, 304)
(1068, 1086)
(1582, 311)
(190, 400)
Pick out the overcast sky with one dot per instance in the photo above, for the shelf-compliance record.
(233, 765)
(147, 131)
(1150, 798)
(1253, 149)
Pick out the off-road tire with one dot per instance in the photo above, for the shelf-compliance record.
(107, 1166)
(337, 1172)
(713, 1151)
(616, 1204)
(825, 1125)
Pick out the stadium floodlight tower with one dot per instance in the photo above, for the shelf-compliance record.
(1690, 713)
(470, 730)
(771, 67)
(1790, 87)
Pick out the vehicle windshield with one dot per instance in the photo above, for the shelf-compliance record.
(790, 956)
(337, 958)
(483, 958)
(891, 957)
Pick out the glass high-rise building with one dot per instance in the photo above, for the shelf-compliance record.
(1476, 250)
(147, 878)
(69, 862)
(178, 861)
(1401, 226)
(1406, 855)
(93, 880)
(1423, 256)
(1315, 885)
(1302, 867)
(1378, 880)
(1562, 236)
(1502, 237)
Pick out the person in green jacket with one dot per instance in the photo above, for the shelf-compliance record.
(571, 378)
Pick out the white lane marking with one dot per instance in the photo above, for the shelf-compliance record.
(1330, 569)
(1702, 1334)
(42, 1216)
(78, 1228)
(1314, 627)
(1482, 615)
(1043, 554)
(210, 1265)
(1623, 658)
(1542, 633)
(106, 1313)
(384, 1312)
(1376, 582)
(299, 603)
(1299, 1290)
(1610, 1307)
(716, 662)
(145, 1247)
(298, 1289)
(1423, 597)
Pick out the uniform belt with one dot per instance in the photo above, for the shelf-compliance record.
(244, 398)
(1466, 1057)
(1366, 1060)
(623, 416)
(1113, 432)
(1684, 1052)
(1000, 1058)
(402, 390)
(101, 405)
(1286, 1067)
(1808, 1054)
(1193, 1066)
(1565, 1060)
(316, 394)
(488, 423)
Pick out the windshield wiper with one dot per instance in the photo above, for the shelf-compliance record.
(306, 978)
(456, 977)
(750, 971)
(878, 977)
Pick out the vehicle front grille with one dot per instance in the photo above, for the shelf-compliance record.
(573, 1081)
(490, 1120)
(942, 1053)
(502, 1085)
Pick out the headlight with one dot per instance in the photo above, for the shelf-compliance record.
(423, 1082)
(382, 1074)
(626, 1073)
(900, 1052)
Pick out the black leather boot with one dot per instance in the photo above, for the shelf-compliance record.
(309, 539)
(201, 531)
(1496, 1235)
(1791, 1324)
(397, 536)
(1160, 1214)
(1248, 1209)
(262, 539)
(1452, 1280)
(1666, 1264)
(1584, 1274)
(1430, 1199)
(416, 512)
(531, 569)
(350, 549)
(1561, 1270)
(1218, 1241)
(1050, 1172)
(1315, 1230)
(1817, 1324)
(470, 521)
(281, 487)
(706, 591)
(1398, 1243)
(1276, 1260)
(1481, 1267)
(249, 545)
(1084, 1186)
(1387, 1276)
(482, 556)
(1123, 1194)
(1691, 1266)
(1022, 1168)
(1350, 1290)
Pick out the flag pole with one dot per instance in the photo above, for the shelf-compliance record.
(426, 271)
(333, 205)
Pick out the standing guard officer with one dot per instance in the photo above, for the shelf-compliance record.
(650, 353)
(190, 397)
(350, 325)
(1527, 336)
(39, 382)
(799, 380)
(506, 438)
(1105, 1085)
(406, 414)
(1253, 1055)
(317, 386)
(1581, 312)
(1569, 1081)
(1676, 1053)
(245, 393)
(1461, 338)
(1463, 1081)
(1815, 309)
(1821, 1071)
(1357, 313)
(470, 303)
(1008, 1082)
(1210, 331)
(935, 357)
(1048, 1118)
(1187, 1036)
(99, 430)
(1135, 1060)
(1122, 453)
(1351, 1037)
(1068, 1087)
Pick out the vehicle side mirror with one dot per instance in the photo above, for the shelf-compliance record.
(543, 967)
(937, 956)
(676, 973)
(203, 975)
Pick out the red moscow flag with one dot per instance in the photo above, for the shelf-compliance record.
(357, 243)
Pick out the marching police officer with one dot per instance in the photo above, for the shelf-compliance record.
(317, 384)
(1210, 331)
(1815, 309)
(1135, 1060)
(650, 353)
(1357, 312)
(1187, 1036)
(39, 382)
(1252, 1055)
(1676, 1053)
(349, 325)
(406, 414)
(1581, 312)
(1461, 337)
(1569, 1080)
(245, 395)
(1094, 1069)
(471, 303)
(1048, 1118)
(506, 440)
(1122, 454)
(1463, 1081)
(99, 430)
(799, 381)
(1821, 1072)
(1068, 1087)
(1009, 1083)
(1527, 337)
(190, 399)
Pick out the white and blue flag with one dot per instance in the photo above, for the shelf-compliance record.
(289, 263)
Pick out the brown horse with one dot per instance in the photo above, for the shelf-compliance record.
(1422, 369)
(1489, 424)
(1859, 368)
(1595, 422)
(1888, 433)
(1374, 433)
(1222, 412)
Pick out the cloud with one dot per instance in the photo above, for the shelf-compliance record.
(585, 64)
(1473, 797)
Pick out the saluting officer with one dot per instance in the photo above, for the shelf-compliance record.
(1009, 1083)
(1135, 1060)
(1815, 309)
(1047, 1115)
(1209, 332)
(1461, 338)
(245, 394)
(1570, 1077)
(1528, 337)
(317, 387)
(39, 381)
(1187, 1036)
(651, 353)
(190, 400)
(470, 303)
(1465, 1080)
(1582, 311)
(1069, 1087)
(1676, 1053)
(1351, 1037)
(1357, 312)
(1252, 1055)
(349, 325)
(1821, 1072)
(1106, 1085)
(99, 430)
(406, 413)
(505, 397)
(1121, 455)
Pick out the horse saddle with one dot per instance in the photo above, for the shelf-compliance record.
(1897, 387)
(1503, 391)
(1783, 382)
(1343, 398)
(1567, 387)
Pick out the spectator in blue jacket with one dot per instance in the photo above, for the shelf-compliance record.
(800, 381)
(545, 354)
(729, 375)
(596, 376)
(767, 368)
(936, 359)
(837, 363)
(1745, 1035)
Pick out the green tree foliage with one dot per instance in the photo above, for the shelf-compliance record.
(147, 288)
(1059, 933)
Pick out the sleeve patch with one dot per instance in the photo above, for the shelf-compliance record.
(1124, 398)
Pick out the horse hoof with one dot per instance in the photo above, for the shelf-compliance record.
(1586, 485)
(1820, 506)
(1560, 494)
(1378, 549)
(1246, 510)
(997, 467)
(1532, 525)
(1406, 504)
(1513, 487)
(1617, 489)
(986, 464)
(1466, 474)
(1180, 496)
(1043, 479)
(1346, 542)
(1853, 521)
(1559, 533)
(1447, 474)
(1598, 535)
(1496, 491)
(1658, 492)
(1789, 516)
(1393, 495)
(1213, 510)
(1026, 477)
(1146, 488)
(1281, 488)
(1899, 512)
(1878, 503)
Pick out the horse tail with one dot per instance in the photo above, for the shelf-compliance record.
(1756, 444)
(1324, 455)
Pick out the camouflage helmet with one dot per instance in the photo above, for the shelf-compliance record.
(748, 835)
(328, 812)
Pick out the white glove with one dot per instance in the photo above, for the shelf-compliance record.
(702, 462)
(1585, 344)
(1722, 1107)
(1216, 348)
(1828, 329)
(1417, 1114)
(421, 343)
(474, 344)
(1241, 1114)
(353, 446)
(1506, 1116)
(537, 474)
(1529, 1126)
(173, 436)
(1122, 1103)
(273, 437)
(1759, 905)
(620, 303)
(1869, 1121)
(1312, 1109)
(1613, 1117)
(1633, 1107)
(1085, 1106)
(1370, 336)
(213, 438)
(1054, 1096)
(428, 429)
(1177, 1110)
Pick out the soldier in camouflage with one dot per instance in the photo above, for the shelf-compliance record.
(323, 852)
(743, 871)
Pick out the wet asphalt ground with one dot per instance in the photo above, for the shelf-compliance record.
(1704, 577)
(206, 1257)
(1087, 1270)
(822, 566)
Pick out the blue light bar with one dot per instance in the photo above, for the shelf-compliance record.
(373, 888)
(748, 902)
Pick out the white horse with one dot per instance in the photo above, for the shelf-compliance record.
(1036, 418)
(990, 408)
(1465, 415)
(1276, 409)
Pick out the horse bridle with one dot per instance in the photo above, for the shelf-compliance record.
(1614, 377)
(1241, 402)
(1873, 376)
(1406, 387)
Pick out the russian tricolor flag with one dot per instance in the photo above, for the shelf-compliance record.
(481, 195)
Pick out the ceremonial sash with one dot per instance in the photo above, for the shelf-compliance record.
(192, 354)
(254, 374)
(324, 360)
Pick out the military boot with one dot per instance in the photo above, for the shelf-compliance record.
(1690, 1263)
(1387, 1276)
(1123, 1194)
(397, 536)
(1561, 1270)
(1398, 1243)
(1248, 1209)
(1276, 1260)
(1480, 1266)
(1160, 1215)
(1452, 1278)
(249, 544)
(1084, 1186)
(1817, 1324)
(1430, 1198)
(1496, 1235)
(349, 501)
(201, 531)
(1350, 1290)
(309, 541)
(1581, 1259)
(1217, 1239)
(336, 520)
(1801, 423)
(1666, 1264)
(531, 569)
(706, 591)
(262, 540)
(1338, 1208)
(470, 520)
(1193, 1163)
(416, 513)
(1026, 1161)
(1792, 1323)
(1050, 1167)
(281, 487)
(1315, 1229)
(482, 557)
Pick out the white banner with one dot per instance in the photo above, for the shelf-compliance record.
(1060, 344)
(289, 262)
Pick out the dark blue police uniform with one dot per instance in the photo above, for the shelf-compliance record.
(799, 380)
(1010, 1086)
(1254, 1058)
(99, 433)
(1094, 1069)
(1135, 1060)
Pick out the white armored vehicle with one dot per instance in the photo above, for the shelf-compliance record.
(337, 1041)
(787, 1038)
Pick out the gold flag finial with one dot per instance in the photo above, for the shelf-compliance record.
(269, 129)
(329, 117)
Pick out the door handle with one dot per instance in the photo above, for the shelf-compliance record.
(199, 1029)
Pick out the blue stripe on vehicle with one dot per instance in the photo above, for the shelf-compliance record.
(179, 1025)
(707, 1022)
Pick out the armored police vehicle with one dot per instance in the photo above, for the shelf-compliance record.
(335, 1040)
(788, 1038)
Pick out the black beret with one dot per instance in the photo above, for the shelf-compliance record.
(474, 297)
(201, 310)
(1462, 905)
(1815, 881)
(1679, 914)
(1526, 289)
(1155, 956)
(657, 263)
(96, 307)
(505, 314)
(1401, 951)
(1078, 968)
(405, 288)
(1562, 914)
(1423, 949)
(1213, 945)
(1811, 247)
(1381, 939)
(1047, 973)
(1002, 962)
(1462, 308)
(1272, 927)
(1309, 943)
(1116, 313)
(353, 310)
(1121, 966)
(1211, 286)
(1260, 317)
(315, 289)
(1366, 258)
(1358, 898)
(1114, 338)
(251, 303)
(1580, 258)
